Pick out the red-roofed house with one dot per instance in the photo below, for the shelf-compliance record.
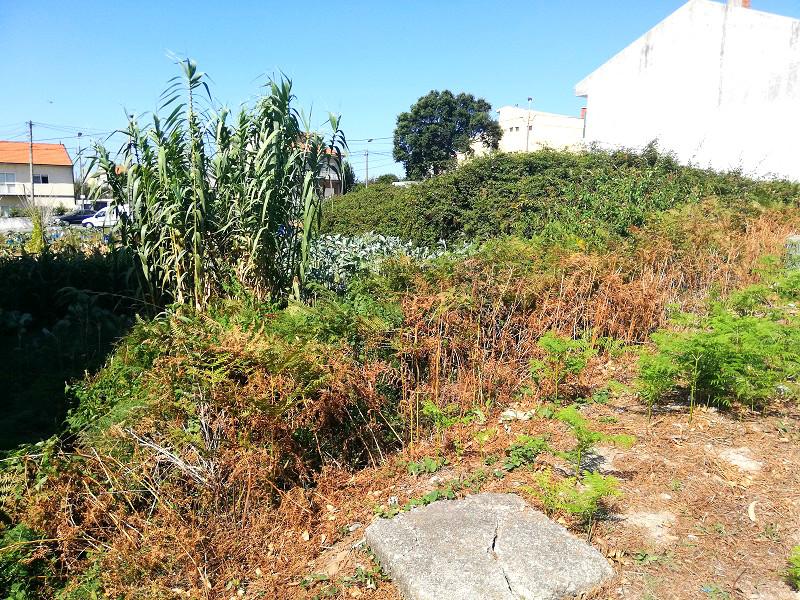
(53, 182)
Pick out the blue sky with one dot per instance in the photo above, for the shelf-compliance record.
(80, 64)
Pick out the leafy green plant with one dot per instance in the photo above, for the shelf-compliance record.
(793, 570)
(726, 358)
(444, 418)
(579, 496)
(425, 465)
(585, 437)
(524, 451)
(24, 572)
(564, 357)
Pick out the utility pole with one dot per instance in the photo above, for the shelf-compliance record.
(528, 128)
(30, 159)
(366, 167)
(80, 170)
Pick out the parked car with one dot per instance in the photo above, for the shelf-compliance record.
(75, 217)
(105, 217)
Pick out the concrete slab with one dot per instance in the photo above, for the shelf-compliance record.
(488, 546)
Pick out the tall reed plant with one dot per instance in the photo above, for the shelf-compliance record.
(213, 203)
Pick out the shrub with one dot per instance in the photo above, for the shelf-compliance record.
(24, 570)
(581, 497)
(564, 356)
(586, 438)
(732, 355)
(552, 194)
(524, 451)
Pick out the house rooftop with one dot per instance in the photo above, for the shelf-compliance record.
(43, 154)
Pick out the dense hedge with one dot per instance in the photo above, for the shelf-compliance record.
(592, 195)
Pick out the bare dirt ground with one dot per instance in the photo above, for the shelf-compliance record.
(709, 508)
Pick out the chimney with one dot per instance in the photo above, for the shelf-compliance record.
(739, 3)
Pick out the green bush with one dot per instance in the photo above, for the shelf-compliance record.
(746, 350)
(23, 571)
(554, 194)
(524, 451)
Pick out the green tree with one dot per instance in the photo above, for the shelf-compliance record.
(438, 126)
(386, 179)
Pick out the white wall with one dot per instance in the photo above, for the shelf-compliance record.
(59, 191)
(547, 130)
(719, 86)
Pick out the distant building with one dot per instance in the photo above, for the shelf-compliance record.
(53, 182)
(530, 130)
(718, 85)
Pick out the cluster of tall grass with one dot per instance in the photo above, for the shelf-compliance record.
(594, 197)
(216, 202)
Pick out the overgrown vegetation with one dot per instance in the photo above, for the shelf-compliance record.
(589, 198)
(214, 207)
(205, 437)
(745, 350)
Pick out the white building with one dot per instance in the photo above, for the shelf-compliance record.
(716, 84)
(530, 130)
(53, 183)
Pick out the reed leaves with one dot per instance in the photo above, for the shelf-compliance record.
(215, 203)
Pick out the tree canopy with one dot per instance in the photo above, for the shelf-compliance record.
(440, 124)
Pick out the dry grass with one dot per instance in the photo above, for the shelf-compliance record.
(259, 454)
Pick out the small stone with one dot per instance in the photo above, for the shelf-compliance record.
(516, 415)
(741, 458)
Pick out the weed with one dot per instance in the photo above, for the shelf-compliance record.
(772, 534)
(564, 356)
(366, 578)
(491, 459)
(793, 570)
(524, 451)
(725, 357)
(586, 438)
(581, 497)
(715, 592)
(425, 465)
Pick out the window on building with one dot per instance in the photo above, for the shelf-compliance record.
(516, 128)
(511, 129)
(38, 178)
(7, 181)
(530, 127)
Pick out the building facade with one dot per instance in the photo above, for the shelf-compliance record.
(53, 183)
(716, 84)
(531, 130)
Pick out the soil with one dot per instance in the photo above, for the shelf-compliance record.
(710, 506)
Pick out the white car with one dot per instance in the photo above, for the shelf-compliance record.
(105, 217)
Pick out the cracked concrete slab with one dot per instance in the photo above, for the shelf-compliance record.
(488, 546)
